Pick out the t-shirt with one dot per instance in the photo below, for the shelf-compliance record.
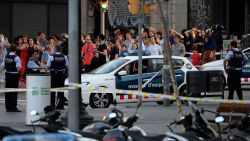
(43, 43)
(200, 40)
(4, 45)
(210, 43)
(46, 56)
(127, 43)
(88, 53)
(113, 52)
(178, 49)
(30, 51)
(196, 59)
(102, 58)
(154, 50)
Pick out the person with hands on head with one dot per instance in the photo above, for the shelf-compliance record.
(233, 63)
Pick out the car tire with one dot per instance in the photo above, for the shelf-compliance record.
(100, 100)
(183, 92)
(85, 105)
(161, 102)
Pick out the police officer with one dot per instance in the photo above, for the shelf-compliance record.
(236, 60)
(58, 64)
(33, 65)
(12, 65)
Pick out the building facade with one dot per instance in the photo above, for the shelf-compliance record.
(233, 14)
(51, 16)
(32, 16)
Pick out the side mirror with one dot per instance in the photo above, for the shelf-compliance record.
(122, 73)
(219, 119)
(33, 113)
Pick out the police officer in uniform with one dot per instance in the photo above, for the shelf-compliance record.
(12, 65)
(58, 64)
(236, 60)
(33, 65)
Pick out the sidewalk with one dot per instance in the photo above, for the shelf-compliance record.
(15, 120)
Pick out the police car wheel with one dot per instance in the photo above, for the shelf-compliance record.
(100, 100)
(183, 92)
(161, 102)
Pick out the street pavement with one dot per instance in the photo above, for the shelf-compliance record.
(153, 117)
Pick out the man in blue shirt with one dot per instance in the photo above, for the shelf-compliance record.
(12, 65)
(33, 65)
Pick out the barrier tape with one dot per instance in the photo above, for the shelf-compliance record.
(158, 96)
(162, 96)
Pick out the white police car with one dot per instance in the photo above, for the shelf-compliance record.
(218, 65)
(122, 74)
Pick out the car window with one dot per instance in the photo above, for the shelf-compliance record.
(247, 53)
(156, 65)
(132, 67)
(110, 66)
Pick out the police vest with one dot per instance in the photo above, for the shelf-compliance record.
(10, 64)
(237, 60)
(31, 70)
(58, 63)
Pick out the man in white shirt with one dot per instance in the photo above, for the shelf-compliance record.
(153, 49)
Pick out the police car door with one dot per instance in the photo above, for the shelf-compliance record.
(155, 66)
(153, 78)
(130, 80)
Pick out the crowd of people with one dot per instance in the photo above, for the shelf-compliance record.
(32, 55)
(198, 45)
(25, 47)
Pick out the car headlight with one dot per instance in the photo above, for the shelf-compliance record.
(189, 66)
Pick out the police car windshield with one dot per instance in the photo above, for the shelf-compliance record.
(109, 67)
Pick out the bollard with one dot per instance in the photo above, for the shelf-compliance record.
(37, 95)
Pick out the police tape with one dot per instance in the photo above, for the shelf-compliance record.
(158, 96)
(59, 89)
